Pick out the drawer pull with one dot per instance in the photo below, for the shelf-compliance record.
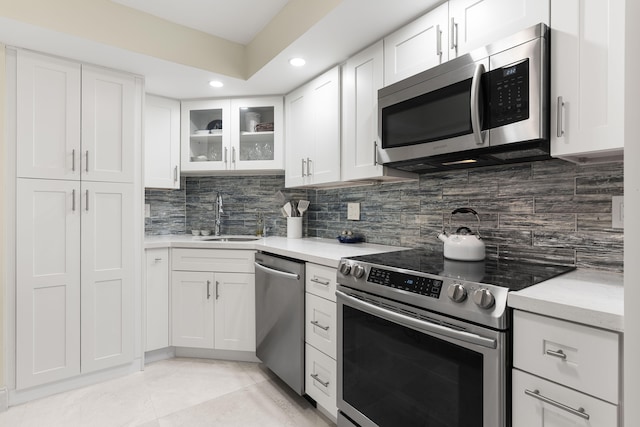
(315, 323)
(577, 412)
(324, 384)
(158, 259)
(559, 354)
(321, 282)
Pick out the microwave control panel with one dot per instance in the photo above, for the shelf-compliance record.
(508, 94)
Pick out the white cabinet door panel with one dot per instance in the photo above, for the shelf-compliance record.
(235, 326)
(157, 302)
(587, 62)
(48, 281)
(476, 23)
(192, 309)
(320, 324)
(107, 275)
(108, 125)
(417, 46)
(48, 112)
(162, 143)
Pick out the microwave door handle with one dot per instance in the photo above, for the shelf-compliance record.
(476, 126)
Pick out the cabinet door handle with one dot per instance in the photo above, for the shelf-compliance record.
(73, 200)
(322, 282)
(439, 42)
(560, 116)
(208, 289)
(217, 289)
(308, 165)
(158, 259)
(233, 155)
(315, 323)
(454, 35)
(86, 200)
(375, 153)
(316, 378)
(225, 155)
(559, 354)
(303, 163)
(577, 412)
(175, 173)
(86, 161)
(73, 160)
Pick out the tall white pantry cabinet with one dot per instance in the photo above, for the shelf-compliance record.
(77, 133)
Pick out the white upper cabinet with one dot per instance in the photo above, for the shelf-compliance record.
(362, 77)
(313, 132)
(232, 135)
(476, 23)
(417, 46)
(257, 141)
(162, 143)
(587, 79)
(48, 117)
(108, 125)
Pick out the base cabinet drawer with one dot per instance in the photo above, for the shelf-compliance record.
(219, 260)
(320, 324)
(320, 379)
(540, 403)
(321, 281)
(578, 356)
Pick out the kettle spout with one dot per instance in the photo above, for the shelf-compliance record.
(443, 237)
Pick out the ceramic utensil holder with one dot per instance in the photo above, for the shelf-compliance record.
(294, 227)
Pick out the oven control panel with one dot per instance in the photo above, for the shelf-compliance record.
(406, 282)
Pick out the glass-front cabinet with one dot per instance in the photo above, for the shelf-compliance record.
(232, 135)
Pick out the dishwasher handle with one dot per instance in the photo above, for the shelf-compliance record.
(275, 272)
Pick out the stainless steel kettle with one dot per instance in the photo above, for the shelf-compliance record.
(464, 245)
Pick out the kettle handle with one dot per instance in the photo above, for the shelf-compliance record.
(464, 210)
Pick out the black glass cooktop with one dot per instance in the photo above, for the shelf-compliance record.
(511, 274)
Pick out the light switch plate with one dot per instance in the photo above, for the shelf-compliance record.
(617, 212)
(353, 211)
(147, 210)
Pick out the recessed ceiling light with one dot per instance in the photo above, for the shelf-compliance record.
(216, 83)
(297, 62)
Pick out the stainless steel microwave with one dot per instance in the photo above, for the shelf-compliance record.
(490, 106)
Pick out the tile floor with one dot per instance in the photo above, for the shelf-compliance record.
(175, 392)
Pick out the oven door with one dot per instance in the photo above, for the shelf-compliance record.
(401, 366)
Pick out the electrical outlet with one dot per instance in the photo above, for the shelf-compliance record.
(147, 210)
(353, 211)
(617, 212)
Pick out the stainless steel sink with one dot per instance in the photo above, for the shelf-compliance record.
(230, 238)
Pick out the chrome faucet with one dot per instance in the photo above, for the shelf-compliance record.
(219, 211)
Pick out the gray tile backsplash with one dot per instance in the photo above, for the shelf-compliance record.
(549, 211)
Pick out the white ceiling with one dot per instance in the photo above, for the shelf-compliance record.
(235, 20)
(350, 27)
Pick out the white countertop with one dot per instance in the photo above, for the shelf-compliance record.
(311, 249)
(594, 298)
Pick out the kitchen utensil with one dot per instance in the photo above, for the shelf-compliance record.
(284, 213)
(287, 208)
(280, 198)
(463, 245)
(303, 205)
(294, 208)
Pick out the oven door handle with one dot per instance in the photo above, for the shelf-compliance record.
(417, 324)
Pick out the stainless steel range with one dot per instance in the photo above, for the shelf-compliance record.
(424, 341)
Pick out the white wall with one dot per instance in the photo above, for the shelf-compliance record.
(632, 225)
(2, 225)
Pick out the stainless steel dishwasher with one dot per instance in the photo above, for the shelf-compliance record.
(280, 317)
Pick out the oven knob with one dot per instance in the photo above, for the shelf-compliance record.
(358, 271)
(345, 269)
(483, 298)
(457, 292)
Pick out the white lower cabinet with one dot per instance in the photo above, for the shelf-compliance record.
(213, 309)
(539, 403)
(320, 379)
(320, 336)
(157, 299)
(565, 374)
